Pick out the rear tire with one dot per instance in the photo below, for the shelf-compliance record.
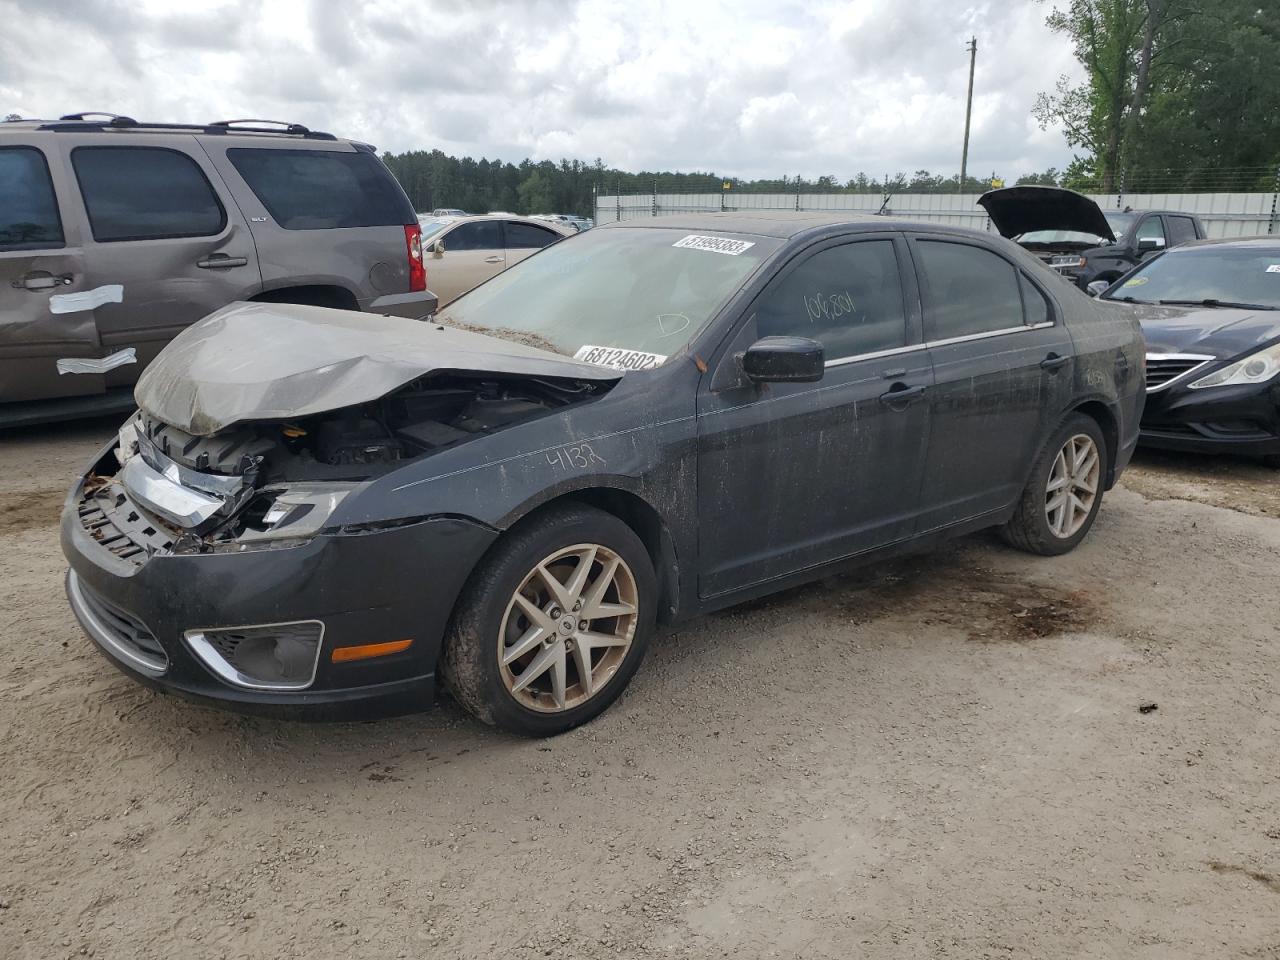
(567, 595)
(1057, 509)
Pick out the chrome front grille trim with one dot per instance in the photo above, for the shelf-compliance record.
(1164, 369)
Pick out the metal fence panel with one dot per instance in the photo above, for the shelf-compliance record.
(1223, 214)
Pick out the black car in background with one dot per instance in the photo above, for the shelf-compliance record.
(315, 509)
(1080, 240)
(1210, 313)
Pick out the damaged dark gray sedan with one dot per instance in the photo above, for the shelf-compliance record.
(314, 510)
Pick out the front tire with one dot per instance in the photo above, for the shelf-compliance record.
(1063, 495)
(553, 626)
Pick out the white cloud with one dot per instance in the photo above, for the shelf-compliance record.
(747, 88)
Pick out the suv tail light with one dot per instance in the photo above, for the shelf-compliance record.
(417, 269)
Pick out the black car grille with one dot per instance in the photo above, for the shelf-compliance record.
(110, 518)
(124, 629)
(1164, 369)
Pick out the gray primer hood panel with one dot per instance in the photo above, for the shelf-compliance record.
(277, 361)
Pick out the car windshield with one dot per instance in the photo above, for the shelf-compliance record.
(1210, 275)
(625, 288)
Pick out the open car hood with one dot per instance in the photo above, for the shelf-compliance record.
(278, 361)
(1019, 210)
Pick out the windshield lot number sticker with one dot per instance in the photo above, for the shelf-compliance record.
(714, 244)
(1273, 268)
(619, 359)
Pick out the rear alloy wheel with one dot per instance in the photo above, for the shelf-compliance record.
(1073, 486)
(554, 624)
(1064, 491)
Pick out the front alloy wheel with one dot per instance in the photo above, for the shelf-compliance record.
(568, 627)
(1073, 486)
(554, 623)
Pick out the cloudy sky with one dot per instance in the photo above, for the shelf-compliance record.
(741, 87)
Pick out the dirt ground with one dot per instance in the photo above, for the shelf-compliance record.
(944, 757)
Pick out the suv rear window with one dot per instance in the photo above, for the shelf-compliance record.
(28, 210)
(145, 193)
(323, 189)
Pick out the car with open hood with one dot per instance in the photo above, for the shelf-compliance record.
(1075, 237)
(1210, 313)
(313, 510)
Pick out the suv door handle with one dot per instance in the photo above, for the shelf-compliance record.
(900, 393)
(220, 261)
(39, 280)
(494, 259)
(1053, 362)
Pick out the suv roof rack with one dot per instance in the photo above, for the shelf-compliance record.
(81, 122)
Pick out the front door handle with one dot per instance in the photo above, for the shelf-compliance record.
(39, 280)
(220, 261)
(494, 259)
(901, 395)
(1053, 362)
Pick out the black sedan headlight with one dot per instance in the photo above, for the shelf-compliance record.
(1258, 367)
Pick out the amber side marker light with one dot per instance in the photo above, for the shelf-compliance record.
(365, 651)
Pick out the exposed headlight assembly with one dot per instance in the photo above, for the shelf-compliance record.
(1257, 367)
(296, 512)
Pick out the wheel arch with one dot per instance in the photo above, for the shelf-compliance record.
(1102, 414)
(311, 294)
(643, 519)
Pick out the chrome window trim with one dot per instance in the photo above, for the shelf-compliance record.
(911, 348)
(208, 655)
(99, 631)
(1204, 360)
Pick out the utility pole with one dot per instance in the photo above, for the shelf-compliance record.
(968, 111)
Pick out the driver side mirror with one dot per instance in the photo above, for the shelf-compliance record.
(437, 250)
(1097, 288)
(1150, 243)
(784, 360)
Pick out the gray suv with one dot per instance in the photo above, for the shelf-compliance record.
(115, 235)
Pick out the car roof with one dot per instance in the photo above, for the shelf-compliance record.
(127, 126)
(453, 218)
(786, 224)
(1262, 242)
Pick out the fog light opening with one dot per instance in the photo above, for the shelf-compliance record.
(276, 656)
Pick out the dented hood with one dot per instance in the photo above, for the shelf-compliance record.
(1019, 210)
(277, 361)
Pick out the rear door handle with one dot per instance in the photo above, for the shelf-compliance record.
(1053, 362)
(901, 394)
(494, 259)
(220, 261)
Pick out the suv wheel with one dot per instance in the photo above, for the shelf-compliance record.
(554, 625)
(1062, 497)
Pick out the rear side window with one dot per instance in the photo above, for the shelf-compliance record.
(476, 235)
(145, 193)
(522, 236)
(848, 298)
(969, 290)
(1035, 305)
(322, 189)
(1181, 229)
(28, 209)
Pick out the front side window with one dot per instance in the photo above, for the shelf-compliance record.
(848, 298)
(28, 208)
(322, 189)
(145, 193)
(968, 290)
(476, 235)
(1151, 229)
(524, 236)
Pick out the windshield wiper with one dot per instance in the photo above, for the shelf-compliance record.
(1215, 302)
